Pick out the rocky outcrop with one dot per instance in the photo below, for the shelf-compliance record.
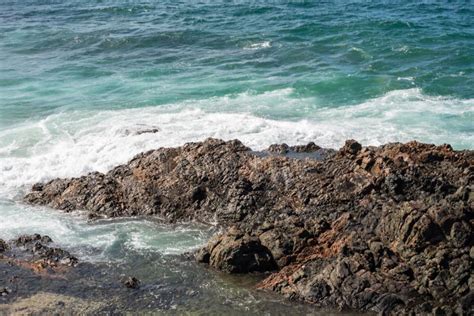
(384, 228)
(209, 181)
(236, 252)
(35, 252)
(28, 263)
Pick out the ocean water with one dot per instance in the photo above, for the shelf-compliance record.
(79, 79)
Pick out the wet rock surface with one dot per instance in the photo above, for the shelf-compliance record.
(237, 252)
(24, 261)
(386, 228)
(36, 254)
(39, 250)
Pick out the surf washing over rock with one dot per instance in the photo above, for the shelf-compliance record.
(386, 229)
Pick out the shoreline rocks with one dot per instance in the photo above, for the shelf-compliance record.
(27, 260)
(387, 229)
(34, 252)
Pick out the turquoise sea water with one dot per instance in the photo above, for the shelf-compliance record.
(407, 64)
(79, 79)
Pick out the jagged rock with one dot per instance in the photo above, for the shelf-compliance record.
(131, 282)
(236, 252)
(37, 245)
(25, 240)
(351, 147)
(278, 148)
(284, 148)
(3, 246)
(386, 228)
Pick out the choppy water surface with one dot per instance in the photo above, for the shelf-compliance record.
(79, 79)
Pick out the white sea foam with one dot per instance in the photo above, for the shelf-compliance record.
(260, 45)
(409, 79)
(402, 49)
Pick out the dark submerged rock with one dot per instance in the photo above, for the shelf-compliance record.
(384, 228)
(147, 131)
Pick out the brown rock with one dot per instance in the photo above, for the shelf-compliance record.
(235, 253)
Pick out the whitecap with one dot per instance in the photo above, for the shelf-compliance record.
(409, 79)
(402, 49)
(260, 45)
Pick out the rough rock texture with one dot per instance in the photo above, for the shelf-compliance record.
(236, 252)
(34, 252)
(384, 228)
(3, 246)
(28, 263)
(131, 282)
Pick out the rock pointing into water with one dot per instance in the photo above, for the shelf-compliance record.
(386, 228)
